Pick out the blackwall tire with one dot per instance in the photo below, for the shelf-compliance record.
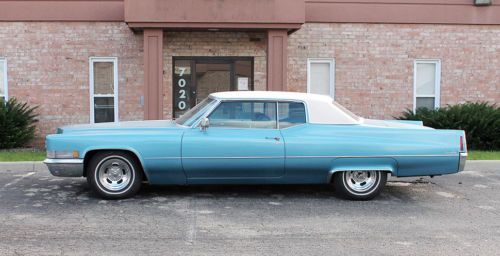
(359, 185)
(114, 174)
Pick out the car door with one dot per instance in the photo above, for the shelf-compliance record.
(241, 142)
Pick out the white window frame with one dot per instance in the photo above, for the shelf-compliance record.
(330, 61)
(93, 60)
(437, 83)
(5, 80)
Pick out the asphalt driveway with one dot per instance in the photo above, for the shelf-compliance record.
(457, 214)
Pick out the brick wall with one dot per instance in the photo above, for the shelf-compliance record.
(374, 62)
(220, 44)
(48, 65)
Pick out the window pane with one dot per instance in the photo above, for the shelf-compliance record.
(291, 114)
(2, 82)
(320, 78)
(103, 78)
(425, 102)
(243, 75)
(241, 114)
(426, 78)
(212, 77)
(104, 109)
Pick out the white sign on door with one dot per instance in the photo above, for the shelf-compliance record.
(242, 83)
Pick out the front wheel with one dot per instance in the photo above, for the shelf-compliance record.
(114, 174)
(359, 185)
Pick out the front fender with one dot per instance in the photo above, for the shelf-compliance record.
(119, 148)
(363, 164)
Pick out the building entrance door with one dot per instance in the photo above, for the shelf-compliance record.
(194, 78)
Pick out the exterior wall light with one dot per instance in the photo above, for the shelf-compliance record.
(482, 2)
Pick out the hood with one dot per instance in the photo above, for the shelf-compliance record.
(395, 124)
(119, 126)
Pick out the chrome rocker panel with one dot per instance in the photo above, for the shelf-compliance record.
(65, 167)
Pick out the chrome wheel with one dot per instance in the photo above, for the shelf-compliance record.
(114, 173)
(361, 181)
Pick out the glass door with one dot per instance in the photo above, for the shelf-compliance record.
(194, 78)
(212, 77)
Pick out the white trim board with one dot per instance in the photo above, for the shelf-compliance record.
(331, 62)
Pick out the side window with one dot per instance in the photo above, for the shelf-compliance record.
(244, 114)
(291, 114)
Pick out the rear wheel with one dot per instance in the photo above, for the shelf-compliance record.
(359, 185)
(114, 174)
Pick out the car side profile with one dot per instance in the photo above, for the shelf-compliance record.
(255, 138)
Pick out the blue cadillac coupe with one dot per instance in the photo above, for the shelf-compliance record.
(255, 138)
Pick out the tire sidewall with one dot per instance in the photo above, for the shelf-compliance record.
(346, 192)
(93, 172)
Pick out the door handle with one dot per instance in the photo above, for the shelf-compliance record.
(273, 138)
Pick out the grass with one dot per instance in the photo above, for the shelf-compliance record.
(39, 155)
(22, 155)
(483, 155)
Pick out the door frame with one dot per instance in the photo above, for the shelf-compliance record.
(207, 60)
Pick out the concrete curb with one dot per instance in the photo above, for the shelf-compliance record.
(34, 166)
(37, 166)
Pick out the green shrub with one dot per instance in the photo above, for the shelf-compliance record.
(480, 121)
(17, 123)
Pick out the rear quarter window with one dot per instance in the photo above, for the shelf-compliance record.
(291, 114)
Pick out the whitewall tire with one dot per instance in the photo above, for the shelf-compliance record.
(359, 185)
(114, 174)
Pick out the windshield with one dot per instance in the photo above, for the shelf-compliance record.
(190, 117)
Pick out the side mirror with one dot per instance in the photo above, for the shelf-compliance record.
(204, 124)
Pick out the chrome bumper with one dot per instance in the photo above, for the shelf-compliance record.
(65, 167)
(461, 163)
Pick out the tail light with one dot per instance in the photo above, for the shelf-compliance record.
(462, 144)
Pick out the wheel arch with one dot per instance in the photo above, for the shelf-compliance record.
(91, 152)
(385, 164)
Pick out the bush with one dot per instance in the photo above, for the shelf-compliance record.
(17, 123)
(480, 121)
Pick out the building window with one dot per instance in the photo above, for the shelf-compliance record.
(3, 79)
(103, 90)
(321, 76)
(426, 81)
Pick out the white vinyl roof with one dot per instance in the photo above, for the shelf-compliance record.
(321, 109)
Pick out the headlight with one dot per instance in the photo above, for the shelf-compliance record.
(62, 154)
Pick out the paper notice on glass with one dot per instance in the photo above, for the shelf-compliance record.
(242, 83)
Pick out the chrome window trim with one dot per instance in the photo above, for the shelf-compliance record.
(219, 101)
(277, 101)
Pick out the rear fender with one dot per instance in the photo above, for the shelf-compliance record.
(363, 164)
